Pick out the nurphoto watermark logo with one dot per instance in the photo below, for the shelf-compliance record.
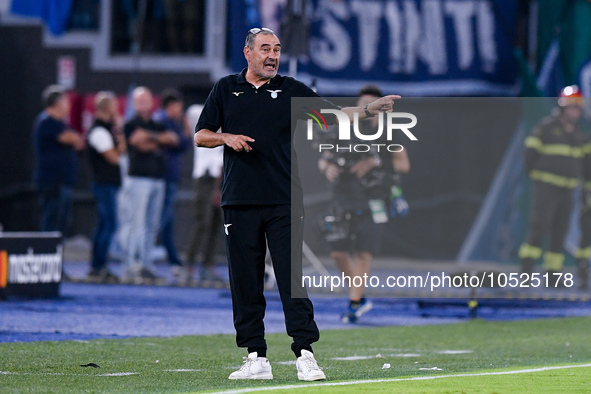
(388, 123)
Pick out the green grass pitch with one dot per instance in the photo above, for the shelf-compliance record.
(202, 363)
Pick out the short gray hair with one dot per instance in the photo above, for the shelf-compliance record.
(252, 33)
(103, 99)
(52, 94)
(139, 91)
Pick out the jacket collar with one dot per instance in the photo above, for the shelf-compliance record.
(271, 83)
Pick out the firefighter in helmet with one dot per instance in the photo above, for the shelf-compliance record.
(554, 153)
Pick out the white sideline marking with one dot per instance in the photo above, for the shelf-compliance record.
(349, 383)
(119, 374)
(68, 374)
(455, 351)
(405, 355)
(353, 358)
(290, 362)
(183, 370)
(41, 373)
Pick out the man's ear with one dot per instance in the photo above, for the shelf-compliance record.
(246, 52)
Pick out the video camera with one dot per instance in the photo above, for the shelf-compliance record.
(375, 183)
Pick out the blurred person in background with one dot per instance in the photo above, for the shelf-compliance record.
(105, 145)
(359, 182)
(171, 116)
(553, 160)
(207, 176)
(145, 186)
(56, 147)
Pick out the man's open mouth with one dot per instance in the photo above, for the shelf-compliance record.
(270, 66)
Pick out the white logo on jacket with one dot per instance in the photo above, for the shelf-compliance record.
(273, 93)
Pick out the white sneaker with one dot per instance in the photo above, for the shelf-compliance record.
(308, 368)
(254, 367)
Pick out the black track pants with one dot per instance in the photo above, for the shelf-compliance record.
(248, 229)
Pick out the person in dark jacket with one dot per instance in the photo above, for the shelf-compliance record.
(56, 147)
(147, 142)
(171, 116)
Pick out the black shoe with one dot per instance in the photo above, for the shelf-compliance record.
(101, 276)
(147, 276)
(109, 277)
(93, 273)
(93, 276)
(209, 274)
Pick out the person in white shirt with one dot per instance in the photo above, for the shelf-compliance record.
(105, 145)
(207, 173)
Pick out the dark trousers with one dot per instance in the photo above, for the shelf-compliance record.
(585, 226)
(106, 222)
(248, 231)
(167, 224)
(56, 208)
(549, 216)
(208, 222)
(584, 251)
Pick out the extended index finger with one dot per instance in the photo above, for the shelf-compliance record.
(392, 97)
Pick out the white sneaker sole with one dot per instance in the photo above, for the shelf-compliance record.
(260, 376)
(311, 378)
(364, 309)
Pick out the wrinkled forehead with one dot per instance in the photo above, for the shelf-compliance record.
(143, 100)
(144, 96)
(262, 39)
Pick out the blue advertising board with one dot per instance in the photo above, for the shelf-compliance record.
(411, 47)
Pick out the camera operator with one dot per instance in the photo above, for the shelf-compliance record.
(366, 189)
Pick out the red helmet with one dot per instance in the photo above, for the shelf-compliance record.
(571, 95)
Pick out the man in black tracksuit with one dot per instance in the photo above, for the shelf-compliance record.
(554, 161)
(252, 109)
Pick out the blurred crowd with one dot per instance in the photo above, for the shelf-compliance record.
(135, 166)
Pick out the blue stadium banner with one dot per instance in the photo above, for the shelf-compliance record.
(55, 13)
(411, 47)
